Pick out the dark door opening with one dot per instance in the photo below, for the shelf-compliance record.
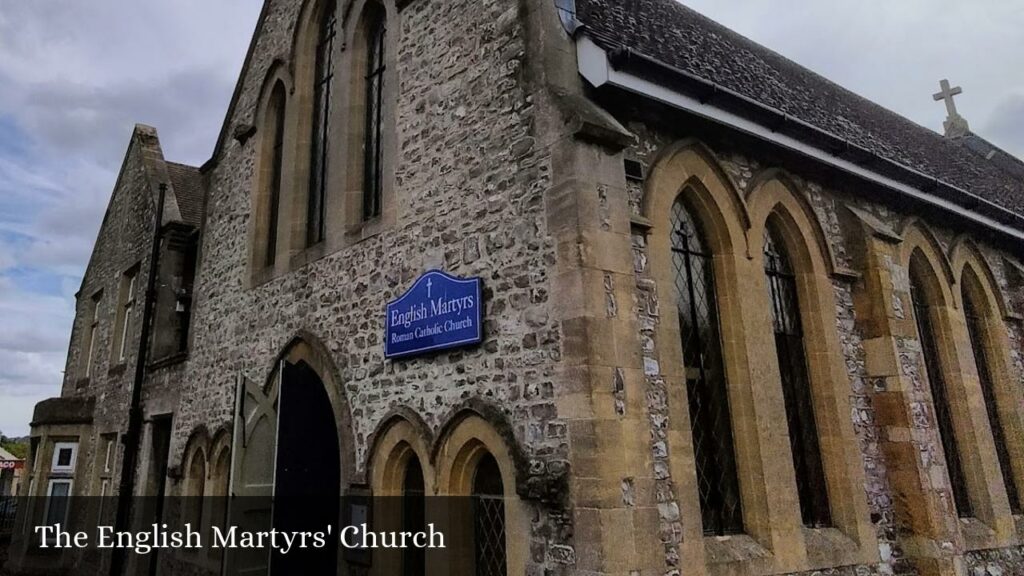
(307, 481)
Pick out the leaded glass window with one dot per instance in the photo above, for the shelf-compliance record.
(975, 330)
(710, 421)
(488, 519)
(323, 74)
(940, 396)
(277, 103)
(372, 154)
(796, 390)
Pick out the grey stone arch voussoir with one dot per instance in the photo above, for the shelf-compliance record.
(547, 483)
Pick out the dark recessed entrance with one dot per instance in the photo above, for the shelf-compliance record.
(308, 471)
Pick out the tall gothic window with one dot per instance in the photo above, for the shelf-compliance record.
(975, 330)
(711, 424)
(796, 389)
(276, 112)
(940, 397)
(413, 516)
(488, 519)
(372, 154)
(323, 73)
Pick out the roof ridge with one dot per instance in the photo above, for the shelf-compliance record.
(684, 39)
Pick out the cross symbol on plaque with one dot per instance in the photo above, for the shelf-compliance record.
(947, 95)
(428, 287)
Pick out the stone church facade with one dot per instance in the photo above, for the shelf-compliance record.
(738, 320)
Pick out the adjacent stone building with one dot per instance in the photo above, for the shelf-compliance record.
(737, 320)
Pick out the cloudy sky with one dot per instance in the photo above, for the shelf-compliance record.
(75, 76)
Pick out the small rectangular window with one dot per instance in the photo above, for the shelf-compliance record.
(125, 314)
(109, 453)
(58, 496)
(90, 333)
(65, 455)
(634, 170)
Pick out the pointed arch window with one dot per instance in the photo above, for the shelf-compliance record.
(372, 146)
(195, 489)
(276, 116)
(940, 396)
(413, 516)
(323, 74)
(975, 332)
(489, 552)
(796, 390)
(710, 420)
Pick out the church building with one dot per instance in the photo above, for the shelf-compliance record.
(725, 317)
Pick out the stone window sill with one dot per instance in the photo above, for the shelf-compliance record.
(830, 548)
(977, 535)
(737, 549)
(308, 255)
(365, 230)
(169, 360)
(262, 276)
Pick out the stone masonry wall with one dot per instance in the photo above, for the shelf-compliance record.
(742, 170)
(124, 241)
(469, 186)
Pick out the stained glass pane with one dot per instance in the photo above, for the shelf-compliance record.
(812, 489)
(711, 424)
(940, 398)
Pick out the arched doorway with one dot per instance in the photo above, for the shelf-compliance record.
(307, 471)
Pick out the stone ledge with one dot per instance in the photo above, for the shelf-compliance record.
(63, 411)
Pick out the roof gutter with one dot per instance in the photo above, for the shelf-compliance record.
(637, 73)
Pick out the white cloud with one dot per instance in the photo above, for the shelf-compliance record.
(76, 77)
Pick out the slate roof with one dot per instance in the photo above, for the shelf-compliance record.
(684, 39)
(187, 183)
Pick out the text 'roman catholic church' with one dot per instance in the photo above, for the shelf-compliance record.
(692, 309)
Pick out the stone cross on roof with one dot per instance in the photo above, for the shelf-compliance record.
(955, 124)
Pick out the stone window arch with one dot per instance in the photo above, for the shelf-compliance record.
(927, 301)
(985, 349)
(489, 524)
(774, 537)
(980, 296)
(805, 358)
(787, 325)
(270, 178)
(402, 477)
(315, 50)
(946, 403)
(270, 226)
(374, 34)
(217, 488)
(195, 487)
(370, 80)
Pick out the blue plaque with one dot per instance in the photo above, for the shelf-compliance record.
(439, 312)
